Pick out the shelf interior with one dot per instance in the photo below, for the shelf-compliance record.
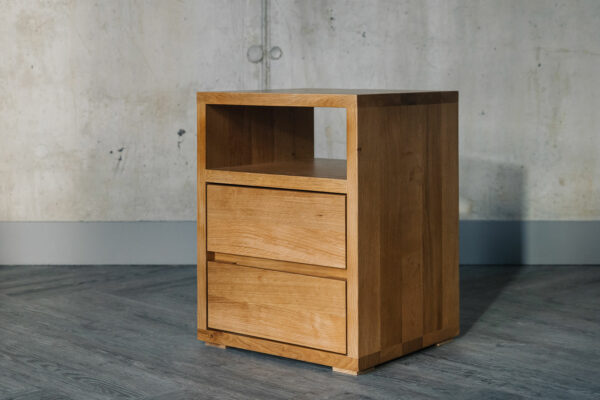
(265, 144)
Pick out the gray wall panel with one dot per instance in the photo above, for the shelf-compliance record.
(481, 242)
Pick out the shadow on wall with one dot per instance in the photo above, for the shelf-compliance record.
(482, 240)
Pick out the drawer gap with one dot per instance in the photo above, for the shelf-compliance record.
(278, 265)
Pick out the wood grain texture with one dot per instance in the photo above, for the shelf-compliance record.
(448, 132)
(283, 225)
(201, 217)
(400, 221)
(277, 265)
(285, 307)
(273, 98)
(315, 168)
(351, 371)
(266, 146)
(411, 133)
(242, 135)
(216, 345)
(275, 181)
(279, 349)
(407, 165)
(328, 97)
(352, 261)
(368, 210)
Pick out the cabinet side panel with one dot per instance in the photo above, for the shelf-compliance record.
(432, 222)
(352, 231)
(403, 250)
(370, 147)
(201, 217)
(450, 216)
(408, 225)
(401, 133)
(440, 279)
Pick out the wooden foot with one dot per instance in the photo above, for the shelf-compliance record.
(443, 343)
(220, 346)
(351, 372)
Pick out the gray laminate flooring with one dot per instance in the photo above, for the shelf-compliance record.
(128, 332)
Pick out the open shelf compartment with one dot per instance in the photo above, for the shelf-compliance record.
(268, 145)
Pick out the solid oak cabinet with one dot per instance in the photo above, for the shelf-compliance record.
(347, 263)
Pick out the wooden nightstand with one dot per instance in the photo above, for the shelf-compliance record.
(347, 263)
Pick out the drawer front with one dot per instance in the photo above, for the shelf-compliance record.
(291, 308)
(283, 225)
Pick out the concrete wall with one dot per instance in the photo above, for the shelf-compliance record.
(527, 72)
(98, 117)
(97, 103)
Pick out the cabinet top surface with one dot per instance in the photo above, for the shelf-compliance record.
(326, 97)
(356, 92)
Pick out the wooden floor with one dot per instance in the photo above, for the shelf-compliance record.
(112, 332)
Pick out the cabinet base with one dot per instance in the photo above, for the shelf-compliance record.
(340, 363)
(350, 371)
(443, 342)
(217, 345)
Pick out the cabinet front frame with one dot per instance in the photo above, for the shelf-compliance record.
(349, 102)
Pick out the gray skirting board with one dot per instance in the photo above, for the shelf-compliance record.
(174, 242)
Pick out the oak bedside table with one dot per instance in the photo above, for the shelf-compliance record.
(347, 263)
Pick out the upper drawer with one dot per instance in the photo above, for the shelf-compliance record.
(283, 225)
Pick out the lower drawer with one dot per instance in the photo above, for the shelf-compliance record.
(286, 307)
